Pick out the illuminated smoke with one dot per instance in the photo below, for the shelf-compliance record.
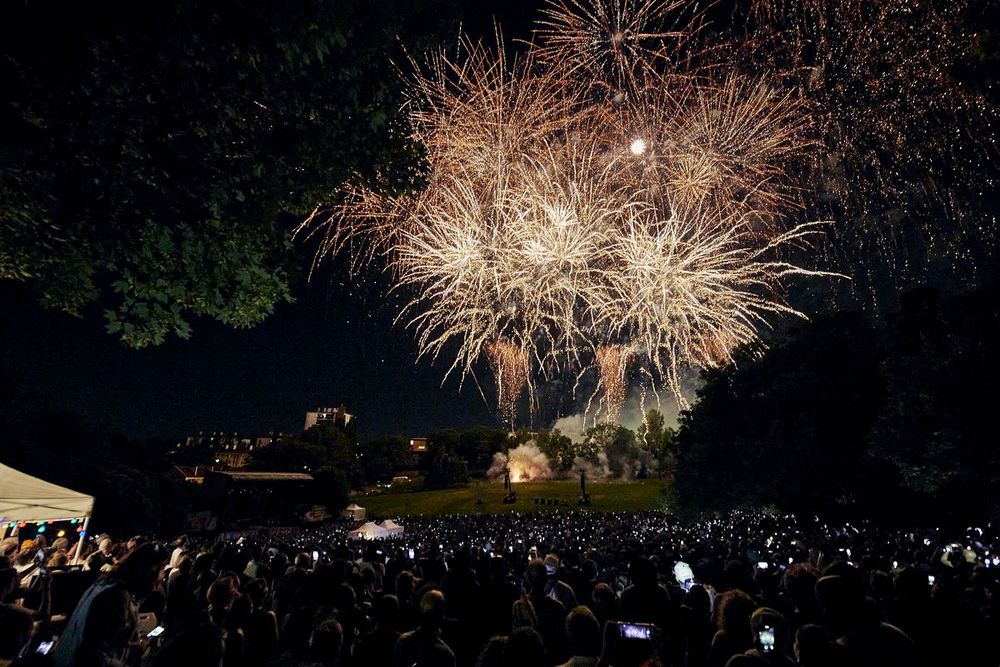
(526, 463)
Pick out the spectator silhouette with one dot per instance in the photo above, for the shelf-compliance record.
(424, 647)
(538, 611)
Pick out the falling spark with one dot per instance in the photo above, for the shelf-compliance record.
(612, 364)
(510, 367)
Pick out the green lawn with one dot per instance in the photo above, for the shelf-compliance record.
(605, 497)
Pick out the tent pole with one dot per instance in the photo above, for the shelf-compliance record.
(83, 536)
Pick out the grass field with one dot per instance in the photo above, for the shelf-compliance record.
(605, 497)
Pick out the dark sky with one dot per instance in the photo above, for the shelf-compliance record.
(334, 345)
(330, 347)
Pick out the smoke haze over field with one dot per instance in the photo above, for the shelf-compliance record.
(632, 414)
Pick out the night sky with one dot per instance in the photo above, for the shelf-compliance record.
(336, 344)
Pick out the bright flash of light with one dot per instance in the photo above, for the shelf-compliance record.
(638, 146)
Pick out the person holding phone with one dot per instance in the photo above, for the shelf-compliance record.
(772, 637)
(103, 629)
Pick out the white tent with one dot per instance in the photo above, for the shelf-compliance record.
(354, 512)
(369, 531)
(27, 498)
(392, 528)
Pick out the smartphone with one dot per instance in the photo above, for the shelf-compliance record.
(682, 572)
(635, 631)
(315, 556)
(44, 647)
(412, 554)
(766, 638)
(147, 623)
(930, 579)
(156, 632)
(762, 565)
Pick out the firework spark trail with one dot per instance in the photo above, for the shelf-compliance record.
(561, 229)
(612, 365)
(611, 42)
(511, 369)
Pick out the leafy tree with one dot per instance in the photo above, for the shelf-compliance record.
(788, 428)
(331, 488)
(380, 459)
(889, 419)
(559, 448)
(658, 439)
(940, 367)
(617, 442)
(446, 469)
(289, 455)
(322, 446)
(156, 153)
(478, 444)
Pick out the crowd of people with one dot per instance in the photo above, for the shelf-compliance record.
(572, 588)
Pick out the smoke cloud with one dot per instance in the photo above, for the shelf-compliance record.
(526, 462)
(633, 412)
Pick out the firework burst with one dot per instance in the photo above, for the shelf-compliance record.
(565, 229)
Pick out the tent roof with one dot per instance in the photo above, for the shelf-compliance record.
(370, 530)
(389, 523)
(354, 506)
(27, 498)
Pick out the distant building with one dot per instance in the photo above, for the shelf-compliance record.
(418, 452)
(328, 416)
(230, 451)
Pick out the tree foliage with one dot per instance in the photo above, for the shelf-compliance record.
(654, 436)
(155, 152)
(884, 418)
(559, 448)
(380, 459)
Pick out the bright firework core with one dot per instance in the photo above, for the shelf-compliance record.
(539, 246)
